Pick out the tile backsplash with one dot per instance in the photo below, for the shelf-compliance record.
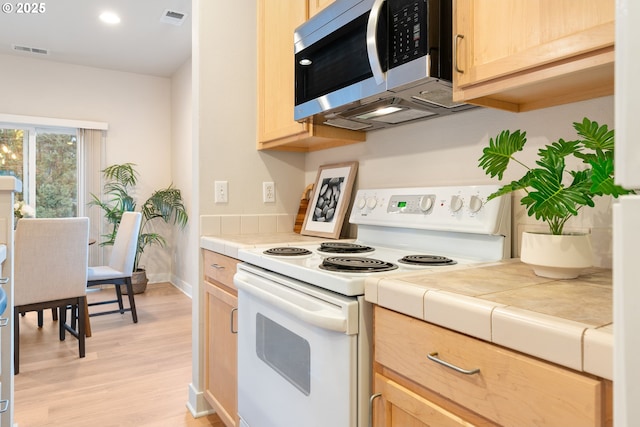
(220, 225)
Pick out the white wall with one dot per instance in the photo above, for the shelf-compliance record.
(136, 107)
(184, 171)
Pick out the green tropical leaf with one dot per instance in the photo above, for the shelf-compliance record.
(521, 184)
(560, 148)
(602, 180)
(496, 156)
(597, 138)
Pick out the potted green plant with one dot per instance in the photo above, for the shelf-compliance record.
(554, 194)
(164, 205)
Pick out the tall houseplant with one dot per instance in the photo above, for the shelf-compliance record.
(553, 193)
(164, 205)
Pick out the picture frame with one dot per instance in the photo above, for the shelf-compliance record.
(330, 200)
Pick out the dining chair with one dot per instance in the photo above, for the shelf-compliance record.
(118, 271)
(50, 272)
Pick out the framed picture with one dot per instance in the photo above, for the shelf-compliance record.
(330, 200)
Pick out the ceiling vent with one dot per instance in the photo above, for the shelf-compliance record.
(30, 50)
(172, 17)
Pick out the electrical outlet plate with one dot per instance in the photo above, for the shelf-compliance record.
(221, 189)
(268, 192)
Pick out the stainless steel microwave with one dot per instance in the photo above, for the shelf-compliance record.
(391, 55)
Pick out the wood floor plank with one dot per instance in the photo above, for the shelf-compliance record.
(132, 375)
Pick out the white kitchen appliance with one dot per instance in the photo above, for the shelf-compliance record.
(305, 330)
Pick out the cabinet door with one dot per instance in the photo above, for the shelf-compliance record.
(316, 6)
(511, 45)
(277, 20)
(221, 343)
(404, 408)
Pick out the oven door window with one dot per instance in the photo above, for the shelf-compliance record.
(286, 352)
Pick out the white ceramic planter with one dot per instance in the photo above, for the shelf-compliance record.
(557, 257)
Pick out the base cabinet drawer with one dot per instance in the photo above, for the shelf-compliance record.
(503, 386)
(219, 268)
(404, 408)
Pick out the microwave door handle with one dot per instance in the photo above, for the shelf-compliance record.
(372, 43)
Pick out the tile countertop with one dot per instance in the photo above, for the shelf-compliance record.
(568, 322)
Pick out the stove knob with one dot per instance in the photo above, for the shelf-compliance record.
(372, 202)
(361, 203)
(425, 203)
(456, 203)
(475, 204)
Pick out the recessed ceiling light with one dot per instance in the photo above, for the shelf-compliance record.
(109, 18)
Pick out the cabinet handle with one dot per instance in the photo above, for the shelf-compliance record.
(4, 321)
(371, 399)
(217, 266)
(4, 280)
(4, 405)
(233, 331)
(434, 357)
(455, 53)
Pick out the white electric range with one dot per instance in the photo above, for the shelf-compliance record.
(304, 327)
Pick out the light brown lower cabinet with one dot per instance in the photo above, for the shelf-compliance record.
(221, 343)
(501, 387)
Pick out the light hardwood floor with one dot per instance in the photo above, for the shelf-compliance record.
(132, 375)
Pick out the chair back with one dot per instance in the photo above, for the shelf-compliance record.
(125, 245)
(51, 256)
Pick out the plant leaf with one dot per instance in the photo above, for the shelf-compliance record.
(549, 198)
(602, 181)
(496, 156)
(597, 138)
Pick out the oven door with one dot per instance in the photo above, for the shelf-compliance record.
(297, 353)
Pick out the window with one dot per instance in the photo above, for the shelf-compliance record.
(46, 161)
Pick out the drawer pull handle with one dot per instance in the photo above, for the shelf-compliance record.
(4, 321)
(217, 266)
(233, 331)
(371, 399)
(4, 280)
(455, 53)
(4, 405)
(434, 357)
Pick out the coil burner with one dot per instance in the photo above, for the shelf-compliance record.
(287, 251)
(356, 265)
(426, 260)
(344, 248)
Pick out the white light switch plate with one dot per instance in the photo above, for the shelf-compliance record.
(221, 192)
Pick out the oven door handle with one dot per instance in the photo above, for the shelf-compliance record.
(304, 307)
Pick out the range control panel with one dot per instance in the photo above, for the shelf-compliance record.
(464, 209)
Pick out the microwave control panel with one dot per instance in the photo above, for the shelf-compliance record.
(408, 24)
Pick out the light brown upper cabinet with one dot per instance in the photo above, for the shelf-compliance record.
(277, 130)
(316, 6)
(526, 55)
